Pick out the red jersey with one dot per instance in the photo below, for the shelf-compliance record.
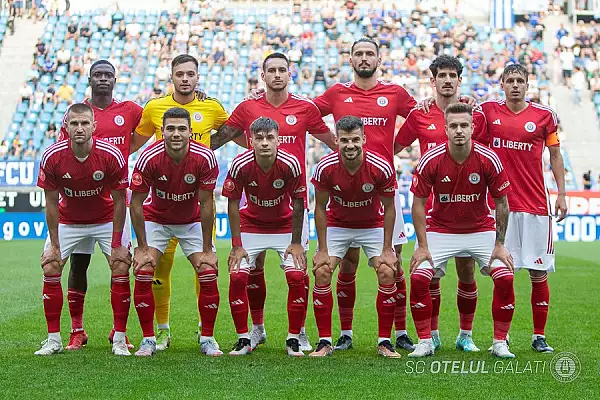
(114, 124)
(174, 187)
(429, 128)
(84, 186)
(377, 108)
(269, 195)
(295, 117)
(520, 139)
(460, 190)
(354, 199)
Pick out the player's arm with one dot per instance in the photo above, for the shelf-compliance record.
(500, 252)
(137, 141)
(206, 218)
(407, 134)
(558, 170)
(225, 134)
(144, 131)
(327, 138)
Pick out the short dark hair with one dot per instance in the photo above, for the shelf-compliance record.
(182, 59)
(514, 69)
(365, 40)
(264, 125)
(102, 62)
(445, 62)
(458, 108)
(177, 112)
(272, 56)
(80, 108)
(348, 123)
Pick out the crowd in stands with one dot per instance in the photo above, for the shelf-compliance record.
(231, 44)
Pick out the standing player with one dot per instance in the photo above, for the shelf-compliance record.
(85, 173)
(181, 176)
(295, 115)
(377, 104)
(115, 122)
(519, 132)
(206, 116)
(274, 185)
(460, 172)
(357, 184)
(428, 129)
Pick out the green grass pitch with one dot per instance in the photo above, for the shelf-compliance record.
(182, 372)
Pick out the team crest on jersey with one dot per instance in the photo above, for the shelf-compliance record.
(136, 179)
(367, 187)
(68, 192)
(278, 183)
(189, 178)
(530, 127)
(496, 142)
(229, 185)
(197, 117)
(291, 120)
(382, 101)
(474, 178)
(98, 175)
(119, 120)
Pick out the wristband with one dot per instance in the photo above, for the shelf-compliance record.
(236, 241)
(116, 239)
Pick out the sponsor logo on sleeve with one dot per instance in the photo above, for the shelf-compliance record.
(504, 186)
(229, 185)
(390, 189)
(210, 182)
(136, 179)
(301, 189)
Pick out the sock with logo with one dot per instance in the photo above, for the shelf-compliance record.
(503, 301)
(386, 308)
(346, 297)
(420, 301)
(238, 301)
(540, 301)
(323, 306)
(76, 300)
(307, 296)
(143, 299)
(53, 301)
(466, 301)
(208, 301)
(296, 298)
(400, 313)
(120, 298)
(436, 301)
(257, 294)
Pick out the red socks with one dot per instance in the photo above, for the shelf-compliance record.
(346, 297)
(540, 300)
(503, 302)
(208, 301)
(466, 301)
(436, 300)
(296, 299)
(120, 298)
(306, 295)
(257, 293)
(420, 301)
(143, 299)
(323, 306)
(386, 308)
(52, 296)
(76, 299)
(400, 314)
(238, 300)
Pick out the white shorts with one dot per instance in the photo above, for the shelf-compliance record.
(71, 236)
(339, 240)
(529, 239)
(87, 246)
(399, 233)
(256, 243)
(189, 236)
(444, 246)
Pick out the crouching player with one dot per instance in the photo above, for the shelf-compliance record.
(272, 218)
(86, 173)
(359, 186)
(460, 172)
(179, 173)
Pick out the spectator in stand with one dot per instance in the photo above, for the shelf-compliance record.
(33, 74)
(85, 31)
(49, 66)
(134, 29)
(40, 49)
(63, 56)
(3, 149)
(72, 32)
(26, 94)
(587, 180)
(50, 94)
(579, 84)
(121, 30)
(104, 22)
(567, 59)
(77, 62)
(319, 77)
(65, 93)
(30, 150)
(51, 132)
(17, 146)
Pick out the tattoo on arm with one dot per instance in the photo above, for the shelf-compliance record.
(297, 221)
(223, 135)
(501, 219)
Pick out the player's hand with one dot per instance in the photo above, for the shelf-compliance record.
(500, 253)
(236, 255)
(420, 255)
(207, 258)
(119, 254)
(387, 257)
(296, 250)
(51, 254)
(255, 94)
(200, 94)
(321, 259)
(142, 256)
(472, 101)
(426, 103)
(561, 207)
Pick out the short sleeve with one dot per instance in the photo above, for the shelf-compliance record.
(208, 175)
(298, 186)
(319, 179)
(551, 130)
(237, 117)
(232, 188)
(325, 101)
(408, 131)
(137, 112)
(405, 102)
(498, 183)
(387, 185)
(141, 180)
(221, 116)
(46, 176)
(63, 133)
(480, 131)
(146, 126)
(422, 181)
(316, 125)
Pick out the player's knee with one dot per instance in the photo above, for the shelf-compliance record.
(120, 268)
(204, 268)
(146, 268)
(419, 283)
(80, 262)
(385, 275)
(52, 268)
(238, 280)
(294, 278)
(349, 263)
(465, 269)
(537, 274)
(323, 276)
